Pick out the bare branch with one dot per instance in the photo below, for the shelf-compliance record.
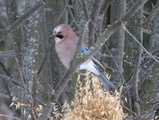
(71, 14)
(7, 88)
(113, 59)
(21, 74)
(94, 49)
(4, 82)
(47, 110)
(112, 28)
(94, 18)
(10, 117)
(5, 69)
(133, 10)
(152, 15)
(62, 12)
(12, 79)
(45, 58)
(141, 45)
(155, 107)
(7, 53)
(20, 20)
(85, 9)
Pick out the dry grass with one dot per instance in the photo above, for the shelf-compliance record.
(93, 103)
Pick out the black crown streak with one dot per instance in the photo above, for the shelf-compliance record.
(59, 36)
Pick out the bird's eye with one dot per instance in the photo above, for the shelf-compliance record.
(59, 32)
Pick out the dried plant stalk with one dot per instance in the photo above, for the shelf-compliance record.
(93, 103)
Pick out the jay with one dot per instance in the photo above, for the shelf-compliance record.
(65, 45)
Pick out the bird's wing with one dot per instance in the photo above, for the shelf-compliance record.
(96, 62)
(93, 66)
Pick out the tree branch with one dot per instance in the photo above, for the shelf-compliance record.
(142, 46)
(151, 16)
(5, 69)
(85, 8)
(9, 76)
(153, 109)
(71, 14)
(112, 28)
(9, 117)
(7, 53)
(20, 20)
(13, 80)
(99, 43)
(62, 12)
(94, 20)
(47, 110)
(133, 9)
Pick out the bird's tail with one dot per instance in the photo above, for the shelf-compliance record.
(107, 84)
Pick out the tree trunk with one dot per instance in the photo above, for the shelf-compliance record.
(12, 13)
(31, 60)
(116, 41)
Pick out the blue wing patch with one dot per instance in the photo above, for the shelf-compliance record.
(83, 49)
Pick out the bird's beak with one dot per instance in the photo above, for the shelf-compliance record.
(52, 36)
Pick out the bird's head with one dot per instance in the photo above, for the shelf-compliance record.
(62, 32)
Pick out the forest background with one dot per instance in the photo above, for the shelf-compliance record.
(122, 34)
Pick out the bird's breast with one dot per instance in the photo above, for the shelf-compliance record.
(66, 52)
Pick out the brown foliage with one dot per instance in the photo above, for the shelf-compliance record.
(93, 103)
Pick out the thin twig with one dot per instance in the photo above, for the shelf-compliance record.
(7, 88)
(126, 61)
(40, 101)
(10, 117)
(94, 18)
(5, 69)
(7, 53)
(99, 43)
(150, 112)
(71, 14)
(21, 74)
(133, 10)
(112, 58)
(61, 13)
(85, 8)
(12, 79)
(8, 73)
(153, 57)
(133, 113)
(107, 2)
(46, 56)
(21, 19)
(152, 15)
(47, 110)
(112, 28)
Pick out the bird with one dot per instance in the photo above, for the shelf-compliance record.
(66, 42)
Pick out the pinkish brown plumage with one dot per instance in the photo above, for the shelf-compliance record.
(65, 46)
(66, 43)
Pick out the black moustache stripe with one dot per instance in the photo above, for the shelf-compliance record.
(59, 36)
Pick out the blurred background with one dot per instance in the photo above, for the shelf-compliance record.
(30, 69)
